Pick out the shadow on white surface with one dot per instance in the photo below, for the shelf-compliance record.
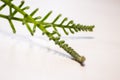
(20, 60)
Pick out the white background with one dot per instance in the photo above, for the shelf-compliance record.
(23, 57)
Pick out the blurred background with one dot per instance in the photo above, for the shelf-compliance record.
(26, 57)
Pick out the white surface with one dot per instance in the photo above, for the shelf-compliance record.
(23, 57)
